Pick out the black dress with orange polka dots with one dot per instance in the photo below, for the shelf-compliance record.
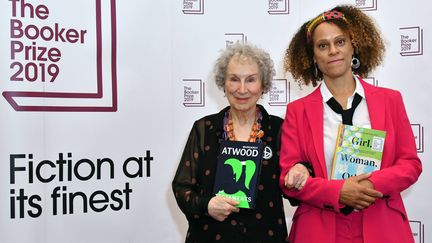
(194, 180)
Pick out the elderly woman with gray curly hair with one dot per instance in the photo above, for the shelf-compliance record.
(244, 72)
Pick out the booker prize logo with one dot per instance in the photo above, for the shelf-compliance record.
(418, 131)
(411, 41)
(279, 94)
(58, 61)
(193, 93)
(193, 6)
(366, 5)
(278, 6)
(232, 38)
(417, 228)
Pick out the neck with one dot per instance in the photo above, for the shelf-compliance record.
(243, 117)
(341, 88)
(243, 126)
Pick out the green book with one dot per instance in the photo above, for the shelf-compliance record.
(237, 173)
(358, 151)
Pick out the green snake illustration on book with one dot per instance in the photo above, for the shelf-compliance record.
(236, 166)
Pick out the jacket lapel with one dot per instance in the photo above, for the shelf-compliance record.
(375, 104)
(314, 112)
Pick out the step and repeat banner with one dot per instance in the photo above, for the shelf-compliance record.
(98, 98)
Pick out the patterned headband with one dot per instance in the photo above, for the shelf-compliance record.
(321, 18)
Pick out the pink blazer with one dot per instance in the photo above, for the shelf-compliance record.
(302, 140)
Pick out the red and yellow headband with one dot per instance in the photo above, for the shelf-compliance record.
(321, 18)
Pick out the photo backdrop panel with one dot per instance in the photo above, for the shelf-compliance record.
(202, 28)
(118, 88)
(88, 151)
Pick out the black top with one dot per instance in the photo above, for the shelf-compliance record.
(194, 180)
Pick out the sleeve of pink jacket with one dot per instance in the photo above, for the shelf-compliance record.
(404, 166)
(318, 191)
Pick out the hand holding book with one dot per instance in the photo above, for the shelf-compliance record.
(358, 152)
(221, 207)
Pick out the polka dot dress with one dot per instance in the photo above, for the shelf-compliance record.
(194, 181)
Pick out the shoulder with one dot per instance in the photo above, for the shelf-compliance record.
(275, 119)
(272, 119)
(299, 104)
(275, 122)
(211, 121)
(390, 94)
(369, 88)
(207, 119)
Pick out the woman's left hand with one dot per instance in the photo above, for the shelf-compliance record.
(358, 192)
(296, 177)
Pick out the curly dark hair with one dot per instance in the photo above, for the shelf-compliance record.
(365, 37)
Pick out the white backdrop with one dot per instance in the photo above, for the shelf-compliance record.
(98, 97)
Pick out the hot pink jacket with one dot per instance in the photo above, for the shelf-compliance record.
(302, 140)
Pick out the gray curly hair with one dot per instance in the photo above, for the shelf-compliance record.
(261, 57)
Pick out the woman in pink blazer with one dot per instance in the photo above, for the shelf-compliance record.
(337, 48)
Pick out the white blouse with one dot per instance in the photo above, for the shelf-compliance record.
(333, 119)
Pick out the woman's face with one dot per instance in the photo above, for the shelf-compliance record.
(332, 51)
(243, 85)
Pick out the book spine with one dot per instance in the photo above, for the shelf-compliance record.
(339, 141)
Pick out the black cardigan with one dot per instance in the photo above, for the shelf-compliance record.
(194, 180)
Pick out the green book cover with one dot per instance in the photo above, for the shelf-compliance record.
(237, 173)
(358, 150)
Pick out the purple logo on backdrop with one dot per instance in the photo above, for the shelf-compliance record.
(367, 5)
(371, 80)
(193, 6)
(232, 38)
(411, 41)
(193, 93)
(40, 45)
(417, 229)
(279, 94)
(418, 131)
(278, 7)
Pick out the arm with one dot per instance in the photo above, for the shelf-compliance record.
(318, 191)
(186, 187)
(406, 167)
(358, 192)
(184, 184)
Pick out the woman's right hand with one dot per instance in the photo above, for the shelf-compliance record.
(221, 207)
(296, 177)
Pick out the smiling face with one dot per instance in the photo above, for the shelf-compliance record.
(243, 85)
(333, 51)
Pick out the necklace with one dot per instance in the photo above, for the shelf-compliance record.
(256, 133)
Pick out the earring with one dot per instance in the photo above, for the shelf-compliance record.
(355, 63)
